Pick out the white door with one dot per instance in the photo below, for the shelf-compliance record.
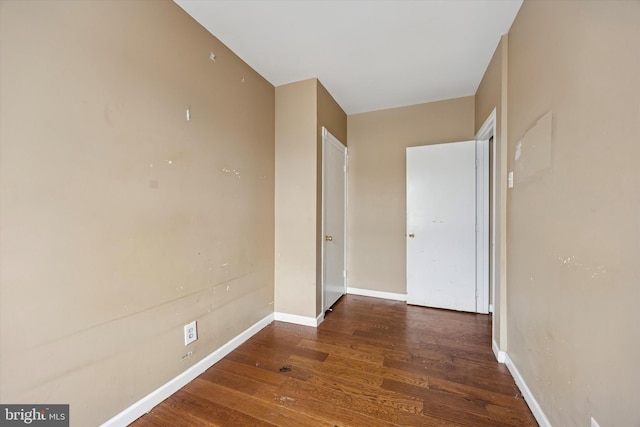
(441, 226)
(334, 203)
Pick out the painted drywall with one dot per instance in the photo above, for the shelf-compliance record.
(332, 117)
(376, 215)
(122, 221)
(487, 96)
(491, 95)
(574, 227)
(296, 213)
(302, 109)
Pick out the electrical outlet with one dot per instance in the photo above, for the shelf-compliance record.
(190, 333)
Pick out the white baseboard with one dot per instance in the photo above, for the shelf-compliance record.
(299, 320)
(148, 402)
(526, 393)
(377, 294)
(500, 355)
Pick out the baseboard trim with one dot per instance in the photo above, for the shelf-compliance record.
(537, 411)
(148, 402)
(377, 294)
(500, 355)
(299, 320)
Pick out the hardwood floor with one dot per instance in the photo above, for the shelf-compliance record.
(372, 362)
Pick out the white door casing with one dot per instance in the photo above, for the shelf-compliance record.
(334, 204)
(487, 134)
(442, 236)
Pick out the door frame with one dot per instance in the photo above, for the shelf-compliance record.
(485, 133)
(328, 138)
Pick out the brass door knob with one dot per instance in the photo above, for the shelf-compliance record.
(328, 238)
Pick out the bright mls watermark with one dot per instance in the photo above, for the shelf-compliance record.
(34, 415)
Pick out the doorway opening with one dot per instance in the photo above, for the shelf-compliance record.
(497, 232)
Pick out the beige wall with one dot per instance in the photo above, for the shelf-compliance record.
(377, 209)
(302, 109)
(488, 95)
(296, 213)
(120, 220)
(332, 117)
(492, 94)
(574, 228)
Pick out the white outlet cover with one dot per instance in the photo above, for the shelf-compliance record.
(190, 333)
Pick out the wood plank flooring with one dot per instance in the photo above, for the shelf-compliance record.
(372, 362)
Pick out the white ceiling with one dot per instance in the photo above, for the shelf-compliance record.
(369, 54)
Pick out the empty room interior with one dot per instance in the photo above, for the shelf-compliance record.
(152, 176)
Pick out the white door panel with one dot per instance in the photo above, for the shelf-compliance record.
(441, 226)
(334, 219)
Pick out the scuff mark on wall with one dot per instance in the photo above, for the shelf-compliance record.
(232, 172)
(533, 151)
(572, 262)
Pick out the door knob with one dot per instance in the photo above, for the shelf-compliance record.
(411, 235)
(328, 238)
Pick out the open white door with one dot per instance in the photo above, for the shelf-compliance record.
(334, 203)
(441, 227)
